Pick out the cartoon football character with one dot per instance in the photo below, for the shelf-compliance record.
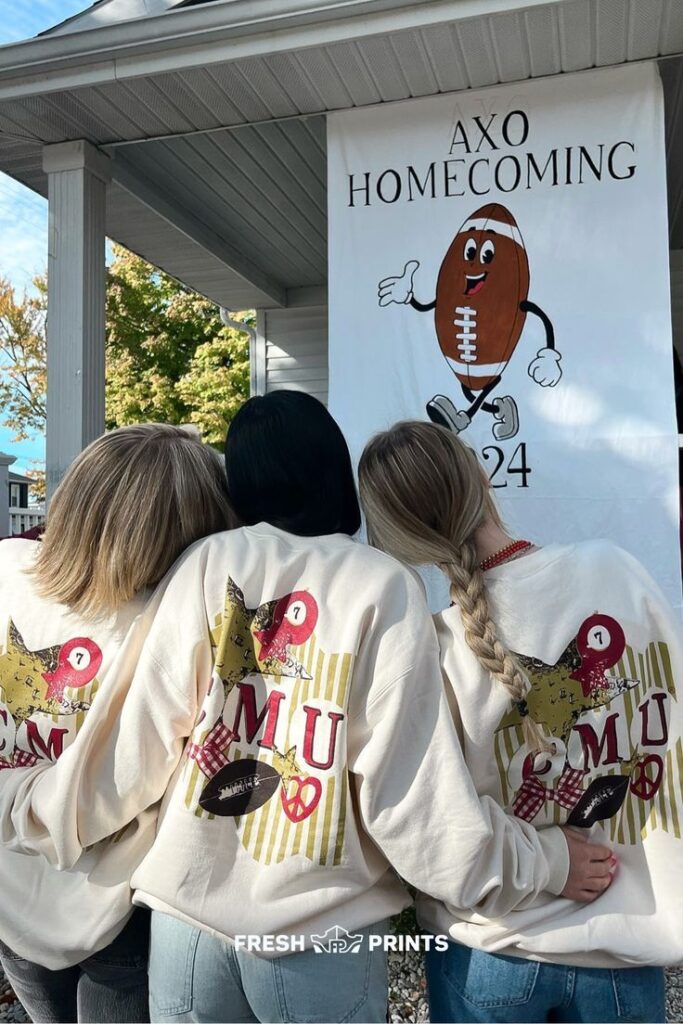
(480, 309)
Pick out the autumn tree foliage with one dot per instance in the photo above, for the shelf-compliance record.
(169, 357)
(22, 366)
(22, 358)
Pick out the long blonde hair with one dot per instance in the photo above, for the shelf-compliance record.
(425, 495)
(128, 506)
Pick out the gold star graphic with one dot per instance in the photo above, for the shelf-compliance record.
(556, 700)
(286, 764)
(22, 676)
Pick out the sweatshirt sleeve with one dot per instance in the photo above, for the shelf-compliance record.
(655, 612)
(131, 742)
(417, 799)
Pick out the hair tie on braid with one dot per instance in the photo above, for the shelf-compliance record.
(522, 707)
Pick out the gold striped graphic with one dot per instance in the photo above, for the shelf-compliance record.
(637, 817)
(79, 695)
(267, 833)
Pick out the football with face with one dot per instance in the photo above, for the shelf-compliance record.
(482, 281)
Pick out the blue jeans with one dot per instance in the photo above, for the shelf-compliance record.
(109, 986)
(468, 985)
(196, 977)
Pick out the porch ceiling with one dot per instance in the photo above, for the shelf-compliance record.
(219, 159)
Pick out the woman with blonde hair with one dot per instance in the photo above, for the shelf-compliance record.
(562, 665)
(74, 613)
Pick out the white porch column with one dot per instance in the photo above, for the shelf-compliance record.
(5, 522)
(77, 176)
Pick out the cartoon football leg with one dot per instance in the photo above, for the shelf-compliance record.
(507, 418)
(442, 411)
(503, 410)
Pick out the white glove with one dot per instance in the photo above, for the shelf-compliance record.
(398, 289)
(545, 369)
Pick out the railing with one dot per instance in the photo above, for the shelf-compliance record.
(22, 519)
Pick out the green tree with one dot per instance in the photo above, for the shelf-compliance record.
(216, 384)
(169, 356)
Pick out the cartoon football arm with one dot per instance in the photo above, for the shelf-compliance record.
(545, 369)
(399, 289)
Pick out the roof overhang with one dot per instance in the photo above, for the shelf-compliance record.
(214, 115)
(223, 30)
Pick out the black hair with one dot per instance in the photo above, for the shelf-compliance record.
(288, 465)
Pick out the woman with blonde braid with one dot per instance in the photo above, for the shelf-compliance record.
(562, 665)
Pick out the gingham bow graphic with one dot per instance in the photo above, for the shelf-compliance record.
(210, 756)
(533, 794)
(20, 759)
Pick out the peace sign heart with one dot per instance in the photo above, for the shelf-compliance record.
(295, 804)
(644, 785)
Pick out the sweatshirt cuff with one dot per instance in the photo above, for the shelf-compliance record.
(556, 851)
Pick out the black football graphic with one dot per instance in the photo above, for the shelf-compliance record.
(240, 788)
(602, 800)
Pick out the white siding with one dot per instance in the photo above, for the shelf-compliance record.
(291, 351)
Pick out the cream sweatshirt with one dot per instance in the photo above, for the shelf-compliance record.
(288, 707)
(603, 654)
(55, 682)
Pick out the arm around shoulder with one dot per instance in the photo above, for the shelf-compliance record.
(414, 788)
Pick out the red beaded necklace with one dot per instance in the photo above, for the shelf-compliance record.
(498, 557)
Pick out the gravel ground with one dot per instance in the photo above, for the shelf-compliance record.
(10, 1007)
(674, 996)
(406, 989)
(407, 985)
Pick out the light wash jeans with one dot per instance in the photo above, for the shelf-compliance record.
(467, 985)
(196, 977)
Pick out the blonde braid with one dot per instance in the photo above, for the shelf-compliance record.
(424, 495)
(468, 591)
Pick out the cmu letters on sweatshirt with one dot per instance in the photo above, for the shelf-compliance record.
(289, 709)
(604, 658)
(56, 683)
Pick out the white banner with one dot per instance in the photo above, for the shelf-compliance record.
(499, 262)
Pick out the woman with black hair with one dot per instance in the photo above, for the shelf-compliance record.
(288, 708)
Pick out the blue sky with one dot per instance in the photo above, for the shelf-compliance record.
(23, 215)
